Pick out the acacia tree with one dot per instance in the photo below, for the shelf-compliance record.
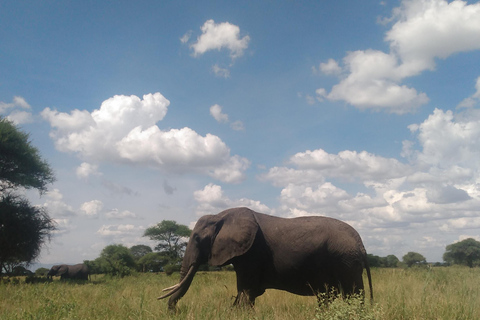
(413, 258)
(172, 239)
(466, 252)
(23, 228)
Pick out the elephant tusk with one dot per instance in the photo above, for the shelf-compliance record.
(172, 287)
(177, 287)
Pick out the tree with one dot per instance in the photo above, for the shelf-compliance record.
(413, 258)
(465, 252)
(171, 237)
(140, 250)
(152, 261)
(41, 272)
(20, 163)
(390, 261)
(23, 228)
(115, 260)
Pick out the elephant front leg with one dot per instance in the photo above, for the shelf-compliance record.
(244, 299)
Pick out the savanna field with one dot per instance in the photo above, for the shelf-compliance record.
(418, 293)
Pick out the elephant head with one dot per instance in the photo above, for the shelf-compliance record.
(57, 270)
(215, 239)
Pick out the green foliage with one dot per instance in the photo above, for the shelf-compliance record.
(334, 307)
(413, 258)
(115, 260)
(41, 272)
(20, 163)
(171, 237)
(466, 252)
(140, 250)
(23, 230)
(151, 262)
(389, 261)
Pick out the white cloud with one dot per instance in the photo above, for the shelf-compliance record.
(350, 165)
(86, 170)
(447, 139)
(56, 206)
(92, 208)
(124, 130)
(120, 231)
(426, 30)
(306, 200)
(216, 112)
(211, 200)
(221, 72)
(330, 67)
(237, 126)
(422, 31)
(472, 100)
(184, 39)
(15, 115)
(117, 214)
(218, 36)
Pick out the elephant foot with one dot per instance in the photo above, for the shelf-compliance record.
(244, 300)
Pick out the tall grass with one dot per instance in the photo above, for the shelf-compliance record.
(437, 293)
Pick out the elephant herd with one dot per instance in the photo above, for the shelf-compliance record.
(305, 255)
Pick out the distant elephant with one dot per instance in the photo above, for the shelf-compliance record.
(77, 271)
(304, 256)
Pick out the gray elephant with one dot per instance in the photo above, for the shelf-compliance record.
(304, 256)
(77, 271)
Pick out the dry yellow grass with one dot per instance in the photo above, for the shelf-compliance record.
(437, 293)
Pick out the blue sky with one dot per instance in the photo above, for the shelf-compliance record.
(363, 111)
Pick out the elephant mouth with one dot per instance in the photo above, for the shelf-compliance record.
(175, 288)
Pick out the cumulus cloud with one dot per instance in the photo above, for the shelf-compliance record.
(216, 112)
(56, 206)
(397, 206)
(473, 100)
(448, 139)
(92, 208)
(348, 165)
(221, 72)
(120, 231)
(86, 170)
(123, 130)
(211, 200)
(119, 215)
(422, 31)
(217, 36)
(12, 112)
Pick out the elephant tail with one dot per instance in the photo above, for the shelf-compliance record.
(369, 276)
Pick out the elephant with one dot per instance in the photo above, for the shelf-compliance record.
(77, 271)
(304, 255)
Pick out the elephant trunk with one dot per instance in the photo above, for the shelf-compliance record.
(190, 265)
(178, 291)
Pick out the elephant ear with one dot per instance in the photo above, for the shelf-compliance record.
(238, 229)
(62, 270)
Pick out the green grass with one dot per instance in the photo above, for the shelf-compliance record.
(438, 293)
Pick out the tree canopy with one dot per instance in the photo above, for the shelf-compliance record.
(466, 252)
(171, 238)
(20, 163)
(115, 260)
(413, 258)
(23, 228)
